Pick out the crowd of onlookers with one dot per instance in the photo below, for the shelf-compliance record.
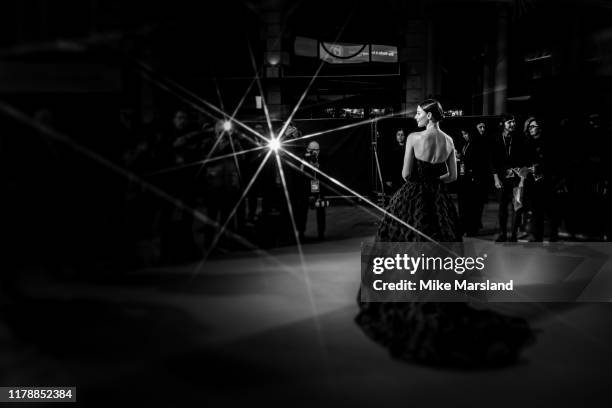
(194, 161)
(550, 177)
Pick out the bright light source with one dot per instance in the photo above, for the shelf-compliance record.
(274, 144)
(273, 58)
(227, 125)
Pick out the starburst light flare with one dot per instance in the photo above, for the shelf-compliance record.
(274, 144)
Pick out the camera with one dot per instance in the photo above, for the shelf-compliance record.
(311, 158)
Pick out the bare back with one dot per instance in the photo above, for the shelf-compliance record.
(432, 145)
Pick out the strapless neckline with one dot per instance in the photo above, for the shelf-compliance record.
(428, 162)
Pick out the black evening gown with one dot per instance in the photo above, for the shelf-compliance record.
(442, 334)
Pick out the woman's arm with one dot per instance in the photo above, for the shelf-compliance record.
(451, 165)
(408, 155)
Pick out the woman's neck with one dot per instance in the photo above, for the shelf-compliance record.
(432, 126)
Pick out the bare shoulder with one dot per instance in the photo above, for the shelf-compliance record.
(449, 140)
(414, 135)
(412, 138)
(418, 136)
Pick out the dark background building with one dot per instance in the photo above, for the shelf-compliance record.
(482, 57)
(110, 74)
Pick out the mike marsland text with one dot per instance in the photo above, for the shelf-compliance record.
(437, 285)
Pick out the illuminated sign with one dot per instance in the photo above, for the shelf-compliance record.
(453, 112)
(383, 53)
(344, 53)
(336, 53)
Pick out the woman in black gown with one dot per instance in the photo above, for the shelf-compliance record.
(452, 334)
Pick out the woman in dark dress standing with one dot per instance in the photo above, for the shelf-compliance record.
(453, 334)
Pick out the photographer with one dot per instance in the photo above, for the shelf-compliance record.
(309, 193)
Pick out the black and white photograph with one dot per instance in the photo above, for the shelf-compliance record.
(306, 203)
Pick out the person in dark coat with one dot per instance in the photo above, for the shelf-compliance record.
(473, 181)
(393, 163)
(509, 159)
